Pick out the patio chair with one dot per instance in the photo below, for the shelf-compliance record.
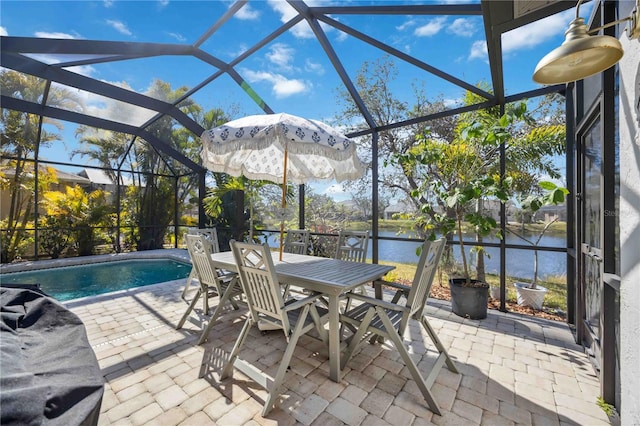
(211, 234)
(352, 247)
(381, 319)
(296, 241)
(266, 304)
(213, 281)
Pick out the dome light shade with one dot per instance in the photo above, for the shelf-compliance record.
(580, 56)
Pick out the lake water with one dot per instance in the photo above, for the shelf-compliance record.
(519, 262)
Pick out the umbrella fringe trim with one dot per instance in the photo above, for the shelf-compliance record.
(219, 168)
(292, 146)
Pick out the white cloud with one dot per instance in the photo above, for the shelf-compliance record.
(479, 50)
(247, 13)
(536, 33)
(302, 28)
(462, 27)
(241, 49)
(107, 3)
(282, 87)
(43, 34)
(86, 70)
(177, 36)
(119, 26)
(335, 189)
(451, 103)
(314, 67)
(110, 109)
(432, 28)
(3, 31)
(527, 37)
(405, 25)
(340, 36)
(281, 55)
(163, 3)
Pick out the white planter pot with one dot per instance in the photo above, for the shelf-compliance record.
(494, 292)
(533, 297)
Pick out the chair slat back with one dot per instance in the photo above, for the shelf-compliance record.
(200, 250)
(210, 234)
(425, 272)
(296, 241)
(260, 283)
(352, 246)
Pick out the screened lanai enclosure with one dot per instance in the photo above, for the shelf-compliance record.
(101, 138)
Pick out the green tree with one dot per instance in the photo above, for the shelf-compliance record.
(149, 205)
(552, 195)
(374, 83)
(467, 181)
(86, 214)
(221, 208)
(55, 235)
(20, 144)
(536, 136)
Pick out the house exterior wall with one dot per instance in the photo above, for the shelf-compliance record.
(629, 120)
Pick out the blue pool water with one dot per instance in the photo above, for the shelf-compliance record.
(72, 282)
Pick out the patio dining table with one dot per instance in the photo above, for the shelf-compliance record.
(331, 277)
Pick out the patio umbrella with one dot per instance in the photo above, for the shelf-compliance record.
(280, 148)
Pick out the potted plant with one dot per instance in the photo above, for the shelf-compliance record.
(459, 198)
(457, 176)
(469, 296)
(532, 294)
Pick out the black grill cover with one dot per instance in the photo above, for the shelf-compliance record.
(48, 372)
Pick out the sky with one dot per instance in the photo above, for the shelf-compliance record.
(291, 74)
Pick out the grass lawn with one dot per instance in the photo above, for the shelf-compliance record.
(556, 297)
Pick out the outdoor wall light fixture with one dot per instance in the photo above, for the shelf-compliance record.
(581, 54)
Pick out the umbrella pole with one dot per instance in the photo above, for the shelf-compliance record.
(284, 201)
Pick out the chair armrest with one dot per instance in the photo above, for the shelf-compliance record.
(301, 302)
(378, 302)
(224, 274)
(402, 287)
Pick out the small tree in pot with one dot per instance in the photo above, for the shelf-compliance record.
(466, 181)
(533, 294)
(469, 296)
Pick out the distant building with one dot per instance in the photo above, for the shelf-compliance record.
(399, 207)
(64, 180)
(547, 214)
(492, 208)
(100, 180)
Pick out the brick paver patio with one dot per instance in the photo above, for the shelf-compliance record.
(514, 370)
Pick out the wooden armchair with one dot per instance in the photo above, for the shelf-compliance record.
(352, 246)
(373, 318)
(296, 241)
(211, 235)
(266, 304)
(213, 282)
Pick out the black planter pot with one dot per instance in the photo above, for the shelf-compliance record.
(469, 301)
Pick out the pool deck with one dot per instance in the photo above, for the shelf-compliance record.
(514, 369)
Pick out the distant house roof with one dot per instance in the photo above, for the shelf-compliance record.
(71, 177)
(60, 175)
(400, 207)
(99, 177)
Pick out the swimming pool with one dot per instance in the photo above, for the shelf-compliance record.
(72, 282)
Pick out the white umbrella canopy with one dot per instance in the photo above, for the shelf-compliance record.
(281, 148)
(255, 147)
